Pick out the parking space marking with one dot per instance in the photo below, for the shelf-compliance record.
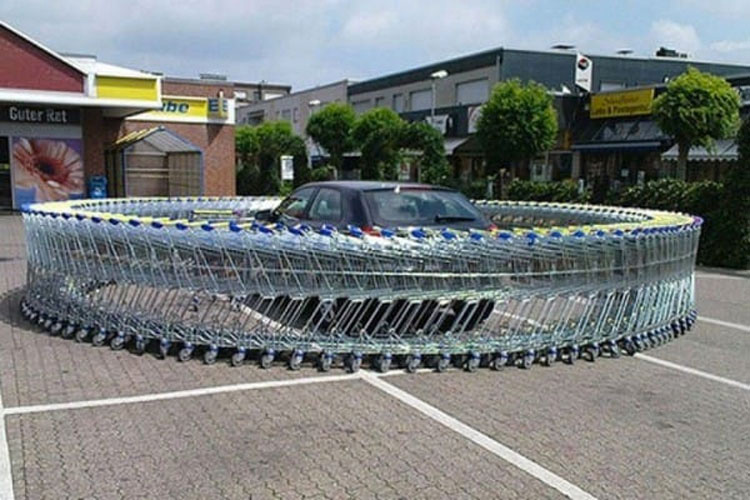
(719, 276)
(532, 468)
(6, 477)
(693, 371)
(204, 391)
(720, 322)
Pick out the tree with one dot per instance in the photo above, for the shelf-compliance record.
(696, 109)
(331, 128)
(735, 219)
(517, 123)
(378, 134)
(259, 150)
(433, 167)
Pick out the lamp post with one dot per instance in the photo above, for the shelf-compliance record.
(437, 75)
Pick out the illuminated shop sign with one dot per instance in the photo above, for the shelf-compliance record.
(42, 115)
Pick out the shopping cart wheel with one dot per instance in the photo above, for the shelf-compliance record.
(383, 363)
(295, 361)
(68, 331)
(412, 362)
(164, 345)
(629, 346)
(500, 361)
(591, 352)
(571, 354)
(238, 357)
(266, 359)
(47, 323)
(550, 356)
(140, 345)
(209, 357)
(55, 329)
(185, 353)
(353, 362)
(117, 342)
(472, 362)
(613, 349)
(325, 361)
(443, 362)
(528, 359)
(82, 334)
(99, 339)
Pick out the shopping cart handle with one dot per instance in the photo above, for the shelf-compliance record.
(503, 235)
(476, 236)
(234, 227)
(134, 222)
(388, 233)
(157, 225)
(114, 221)
(181, 226)
(448, 235)
(96, 220)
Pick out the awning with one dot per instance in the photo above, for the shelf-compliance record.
(724, 150)
(451, 143)
(618, 146)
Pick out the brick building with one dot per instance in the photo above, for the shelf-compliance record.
(62, 115)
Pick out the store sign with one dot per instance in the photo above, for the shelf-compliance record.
(41, 115)
(625, 103)
(189, 109)
(474, 113)
(116, 87)
(439, 122)
(584, 72)
(287, 168)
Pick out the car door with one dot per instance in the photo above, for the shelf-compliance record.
(326, 208)
(294, 208)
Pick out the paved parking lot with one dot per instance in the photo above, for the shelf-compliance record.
(85, 422)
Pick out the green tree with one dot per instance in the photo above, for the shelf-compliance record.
(378, 134)
(697, 109)
(331, 128)
(517, 123)
(433, 167)
(259, 150)
(735, 219)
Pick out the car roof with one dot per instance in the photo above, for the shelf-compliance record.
(373, 185)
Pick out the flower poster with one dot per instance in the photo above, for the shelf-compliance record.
(47, 169)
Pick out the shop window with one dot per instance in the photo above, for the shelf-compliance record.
(472, 92)
(286, 115)
(398, 103)
(420, 99)
(380, 102)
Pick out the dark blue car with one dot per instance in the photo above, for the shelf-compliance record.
(374, 204)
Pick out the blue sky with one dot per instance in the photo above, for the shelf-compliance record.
(305, 43)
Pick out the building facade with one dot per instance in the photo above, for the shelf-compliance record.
(60, 114)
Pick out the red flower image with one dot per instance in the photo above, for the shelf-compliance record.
(52, 168)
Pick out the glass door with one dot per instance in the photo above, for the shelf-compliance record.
(6, 190)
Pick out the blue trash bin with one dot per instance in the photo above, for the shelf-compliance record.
(97, 186)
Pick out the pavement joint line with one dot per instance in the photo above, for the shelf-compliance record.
(720, 322)
(532, 468)
(692, 371)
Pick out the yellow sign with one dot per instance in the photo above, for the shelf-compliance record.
(117, 87)
(190, 110)
(625, 103)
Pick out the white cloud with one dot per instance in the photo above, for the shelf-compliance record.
(730, 46)
(682, 37)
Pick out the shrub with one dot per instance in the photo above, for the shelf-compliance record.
(565, 191)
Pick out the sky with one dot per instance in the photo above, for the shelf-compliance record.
(310, 42)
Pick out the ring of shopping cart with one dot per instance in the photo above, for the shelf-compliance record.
(557, 282)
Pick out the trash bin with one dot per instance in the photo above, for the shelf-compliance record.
(98, 187)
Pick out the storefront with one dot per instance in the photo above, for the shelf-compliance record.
(59, 115)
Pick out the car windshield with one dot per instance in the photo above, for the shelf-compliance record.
(421, 207)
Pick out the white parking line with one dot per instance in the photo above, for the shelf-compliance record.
(724, 323)
(719, 276)
(693, 371)
(204, 391)
(6, 477)
(486, 442)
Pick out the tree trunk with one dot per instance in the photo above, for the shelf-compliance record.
(682, 156)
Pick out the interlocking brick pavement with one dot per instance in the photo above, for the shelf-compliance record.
(338, 440)
(616, 428)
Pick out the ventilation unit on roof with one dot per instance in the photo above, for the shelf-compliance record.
(666, 52)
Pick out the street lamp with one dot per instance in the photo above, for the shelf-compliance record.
(437, 75)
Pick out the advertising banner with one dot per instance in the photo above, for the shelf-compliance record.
(46, 169)
(625, 103)
(584, 72)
